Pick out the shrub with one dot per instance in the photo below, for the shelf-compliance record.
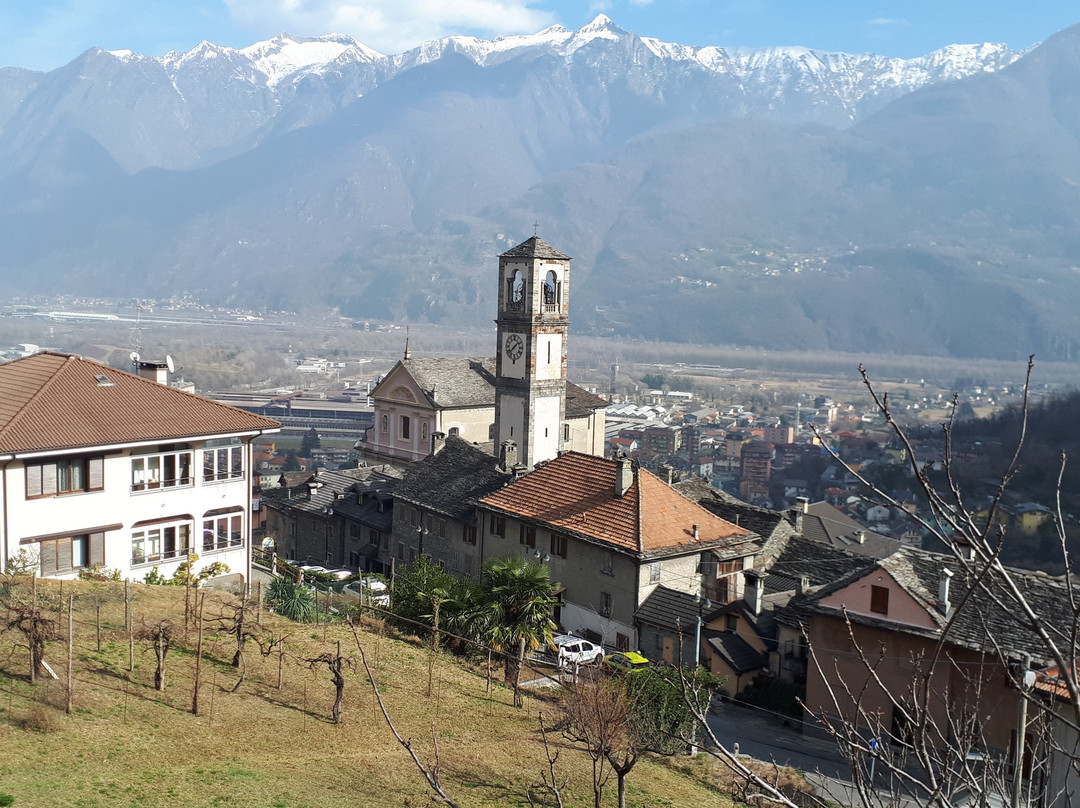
(291, 600)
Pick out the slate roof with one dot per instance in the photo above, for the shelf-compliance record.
(827, 525)
(454, 381)
(341, 492)
(63, 401)
(450, 481)
(977, 615)
(760, 520)
(822, 564)
(669, 609)
(451, 382)
(534, 247)
(580, 403)
(575, 493)
(740, 655)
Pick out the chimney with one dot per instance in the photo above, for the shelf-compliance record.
(154, 371)
(508, 456)
(802, 507)
(860, 536)
(624, 476)
(696, 536)
(803, 586)
(438, 441)
(753, 589)
(943, 592)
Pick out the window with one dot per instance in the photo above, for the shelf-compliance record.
(559, 543)
(222, 530)
(468, 534)
(442, 529)
(566, 432)
(223, 460)
(654, 572)
(605, 604)
(498, 526)
(69, 553)
(405, 422)
(67, 475)
(354, 530)
(354, 558)
(152, 543)
(731, 622)
(453, 432)
(161, 469)
(401, 551)
(528, 535)
(516, 290)
(608, 565)
(622, 642)
(879, 599)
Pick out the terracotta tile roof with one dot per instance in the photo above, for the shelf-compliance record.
(62, 401)
(576, 493)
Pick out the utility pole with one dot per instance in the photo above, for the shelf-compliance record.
(1021, 732)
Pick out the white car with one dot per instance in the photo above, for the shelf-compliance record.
(376, 592)
(571, 650)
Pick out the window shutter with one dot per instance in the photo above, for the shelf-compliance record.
(96, 473)
(33, 480)
(97, 550)
(63, 555)
(48, 478)
(48, 557)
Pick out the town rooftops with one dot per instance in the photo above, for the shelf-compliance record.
(828, 525)
(57, 401)
(576, 493)
(534, 247)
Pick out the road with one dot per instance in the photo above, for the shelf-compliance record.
(763, 736)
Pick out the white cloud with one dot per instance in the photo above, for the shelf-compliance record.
(641, 2)
(390, 26)
(887, 22)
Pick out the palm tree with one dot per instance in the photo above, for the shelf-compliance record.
(520, 597)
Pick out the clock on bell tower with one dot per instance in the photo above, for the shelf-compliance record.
(530, 366)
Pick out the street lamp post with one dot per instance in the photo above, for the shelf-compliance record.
(702, 605)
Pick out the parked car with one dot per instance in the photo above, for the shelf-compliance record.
(376, 592)
(623, 661)
(571, 650)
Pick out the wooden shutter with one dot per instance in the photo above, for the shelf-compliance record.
(48, 479)
(33, 480)
(48, 557)
(95, 468)
(96, 551)
(63, 555)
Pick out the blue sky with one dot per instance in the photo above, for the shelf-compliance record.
(45, 34)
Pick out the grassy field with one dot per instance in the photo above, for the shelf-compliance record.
(126, 744)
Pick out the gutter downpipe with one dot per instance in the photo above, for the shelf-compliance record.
(4, 504)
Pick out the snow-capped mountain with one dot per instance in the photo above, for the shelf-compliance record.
(290, 82)
(803, 194)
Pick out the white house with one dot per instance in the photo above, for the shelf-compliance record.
(99, 467)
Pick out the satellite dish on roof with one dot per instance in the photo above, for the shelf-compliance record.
(134, 357)
(169, 363)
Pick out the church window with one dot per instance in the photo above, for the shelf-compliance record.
(551, 291)
(453, 432)
(405, 423)
(517, 289)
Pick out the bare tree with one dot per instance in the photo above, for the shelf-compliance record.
(549, 781)
(160, 636)
(990, 710)
(431, 772)
(238, 622)
(336, 664)
(29, 614)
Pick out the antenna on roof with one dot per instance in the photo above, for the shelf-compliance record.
(134, 357)
(407, 354)
(169, 363)
(536, 227)
(136, 331)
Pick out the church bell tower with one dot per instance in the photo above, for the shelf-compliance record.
(530, 364)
